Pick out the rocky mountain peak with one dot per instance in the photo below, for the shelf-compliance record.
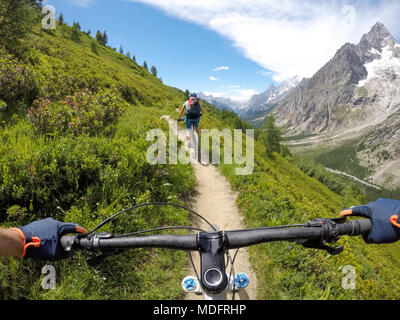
(374, 41)
(377, 33)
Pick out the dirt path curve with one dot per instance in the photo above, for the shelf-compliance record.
(216, 202)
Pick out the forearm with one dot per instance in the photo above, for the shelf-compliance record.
(11, 243)
(180, 112)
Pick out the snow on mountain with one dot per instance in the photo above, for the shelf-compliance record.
(271, 96)
(284, 89)
(386, 61)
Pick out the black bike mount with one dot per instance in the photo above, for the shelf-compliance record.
(212, 248)
(329, 235)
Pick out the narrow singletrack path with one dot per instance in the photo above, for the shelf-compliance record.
(216, 202)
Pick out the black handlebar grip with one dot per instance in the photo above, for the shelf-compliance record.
(355, 227)
(365, 225)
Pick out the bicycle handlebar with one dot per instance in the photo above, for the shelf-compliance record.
(234, 239)
(213, 245)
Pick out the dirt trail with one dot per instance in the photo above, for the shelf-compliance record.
(216, 202)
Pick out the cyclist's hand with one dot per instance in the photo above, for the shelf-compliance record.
(41, 239)
(385, 219)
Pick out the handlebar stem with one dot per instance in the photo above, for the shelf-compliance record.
(212, 248)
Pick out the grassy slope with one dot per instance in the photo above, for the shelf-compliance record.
(277, 193)
(121, 176)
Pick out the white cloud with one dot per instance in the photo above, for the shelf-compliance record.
(213, 78)
(287, 37)
(221, 68)
(241, 95)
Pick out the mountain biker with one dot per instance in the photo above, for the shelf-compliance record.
(193, 113)
(38, 240)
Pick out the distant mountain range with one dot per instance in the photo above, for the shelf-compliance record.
(220, 103)
(258, 106)
(355, 95)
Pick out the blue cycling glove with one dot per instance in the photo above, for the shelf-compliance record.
(41, 239)
(385, 219)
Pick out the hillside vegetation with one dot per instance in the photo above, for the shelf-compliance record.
(75, 115)
(67, 152)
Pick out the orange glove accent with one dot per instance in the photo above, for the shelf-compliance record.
(35, 242)
(393, 221)
(346, 212)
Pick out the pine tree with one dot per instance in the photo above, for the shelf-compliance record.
(105, 38)
(270, 136)
(75, 33)
(99, 37)
(121, 50)
(77, 25)
(128, 54)
(61, 19)
(153, 71)
(187, 94)
(134, 59)
(145, 65)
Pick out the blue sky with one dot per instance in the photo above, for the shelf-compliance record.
(230, 48)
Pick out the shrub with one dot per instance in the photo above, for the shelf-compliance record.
(17, 84)
(82, 113)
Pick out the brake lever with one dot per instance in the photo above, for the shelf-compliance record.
(329, 234)
(316, 244)
(94, 247)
